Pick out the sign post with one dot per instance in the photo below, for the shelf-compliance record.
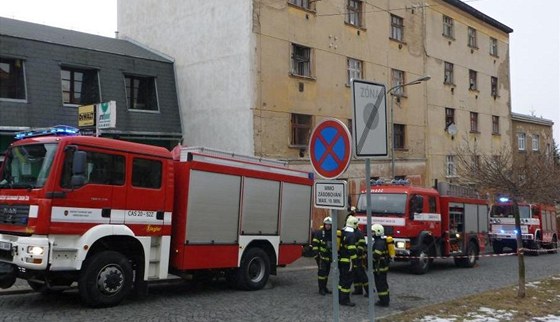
(369, 131)
(330, 151)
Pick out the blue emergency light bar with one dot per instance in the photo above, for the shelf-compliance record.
(378, 182)
(55, 130)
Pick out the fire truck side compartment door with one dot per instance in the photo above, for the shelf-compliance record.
(295, 213)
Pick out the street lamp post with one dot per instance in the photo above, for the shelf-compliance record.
(392, 89)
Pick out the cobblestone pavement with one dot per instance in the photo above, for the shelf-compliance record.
(290, 296)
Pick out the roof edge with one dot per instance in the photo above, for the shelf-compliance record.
(531, 119)
(478, 14)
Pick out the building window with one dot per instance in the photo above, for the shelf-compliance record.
(448, 27)
(495, 124)
(354, 69)
(493, 46)
(494, 86)
(398, 136)
(12, 79)
(448, 73)
(535, 142)
(472, 80)
(521, 141)
(472, 37)
(354, 13)
(397, 28)
(450, 170)
(301, 60)
(79, 86)
(474, 122)
(305, 4)
(141, 93)
(397, 78)
(301, 128)
(449, 116)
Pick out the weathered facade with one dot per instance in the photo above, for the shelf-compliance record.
(257, 75)
(48, 72)
(531, 134)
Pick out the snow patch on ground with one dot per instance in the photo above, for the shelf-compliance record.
(485, 314)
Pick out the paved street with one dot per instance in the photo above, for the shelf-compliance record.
(290, 296)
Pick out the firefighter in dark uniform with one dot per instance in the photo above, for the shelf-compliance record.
(322, 248)
(383, 251)
(360, 277)
(347, 260)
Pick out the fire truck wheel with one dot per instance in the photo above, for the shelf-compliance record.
(534, 247)
(254, 270)
(471, 256)
(421, 264)
(554, 246)
(105, 279)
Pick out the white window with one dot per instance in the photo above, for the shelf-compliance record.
(493, 46)
(354, 69)
(448, 27)
(472, 37)
(354, 12)
(397, 77)
(397, 28)
(521, 141)
(535, 142)
(450, 169)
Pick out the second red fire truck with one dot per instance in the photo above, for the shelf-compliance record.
(451, 221)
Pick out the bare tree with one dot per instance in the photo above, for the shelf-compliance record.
(529, 176)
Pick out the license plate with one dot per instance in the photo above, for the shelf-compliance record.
(5, 246)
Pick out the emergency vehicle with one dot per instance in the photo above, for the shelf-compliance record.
(537, 223)
(113, 215)
(425, 223)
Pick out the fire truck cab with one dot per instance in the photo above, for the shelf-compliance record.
(426, 223)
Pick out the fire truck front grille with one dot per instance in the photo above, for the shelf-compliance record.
(14, 215)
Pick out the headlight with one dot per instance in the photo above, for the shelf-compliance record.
(35, 250)
(400, 244)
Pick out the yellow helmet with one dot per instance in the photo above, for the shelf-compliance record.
(352, 221)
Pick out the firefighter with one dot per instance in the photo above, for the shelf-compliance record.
(383, 251)
(360, 277)
(347, 260)
(322, 248)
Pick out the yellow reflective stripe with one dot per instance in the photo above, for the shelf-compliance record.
(345, 260)
(322, 277)
(323, 249)
(315, 248)
(383, 293)
(385, 269)
(351, 247)
(354, 256)
(378, 252)
(316, 240)
(345, 290)
(358, 284)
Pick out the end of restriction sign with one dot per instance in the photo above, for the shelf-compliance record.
(330, 194)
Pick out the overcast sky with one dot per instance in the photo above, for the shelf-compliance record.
(534, 43)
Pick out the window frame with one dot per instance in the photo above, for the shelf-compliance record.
(493, 50)
(72, 86)
(305, 59)
(521, 141)
(400, 92)
(399, 136)
(448, 27)
(308, 5)
(354, 9)
(152, 95)
(494, 86)
(449, 116)
(450, 169)
(535, 142)
(473, 80)
(14, 82)
(495, 124)
(296, 128)
(474, 122)
(353, 70)
(397, 28)
(472, 38)
(448, 73)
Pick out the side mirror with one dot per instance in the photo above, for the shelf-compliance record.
(78, 169)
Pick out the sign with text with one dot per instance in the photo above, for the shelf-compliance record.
(331, 194)
(86, 115)
(107, 115)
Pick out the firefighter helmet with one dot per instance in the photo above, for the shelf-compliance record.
(352, 221)
(327, 221)
(377, 230)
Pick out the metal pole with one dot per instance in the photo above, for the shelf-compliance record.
(371, 310)
(334, 264)
(392, 141)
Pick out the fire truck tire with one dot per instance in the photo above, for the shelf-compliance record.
(534, 247)
(421, 264)
(497, 247)
(554, 245)
(470, 259)
(105, 279)
(254, 270)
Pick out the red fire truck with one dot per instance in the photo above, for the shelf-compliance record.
(451, 221)
(112, 215)
(538, 226)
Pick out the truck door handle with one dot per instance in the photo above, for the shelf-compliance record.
(106, 212)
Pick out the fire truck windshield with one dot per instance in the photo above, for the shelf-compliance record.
(384, 203)
(27, 166)
(506, 211)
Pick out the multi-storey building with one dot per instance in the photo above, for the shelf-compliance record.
(531, 134)
(47, 72)
(257, 75)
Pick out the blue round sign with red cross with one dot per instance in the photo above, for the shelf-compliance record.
(330, 148)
